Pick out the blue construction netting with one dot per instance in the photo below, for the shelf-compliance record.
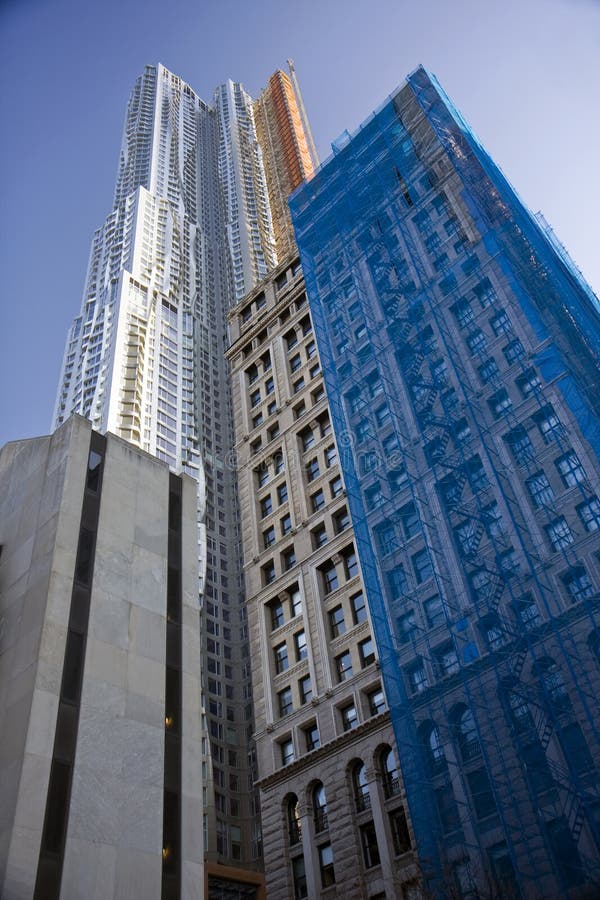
(460, 350)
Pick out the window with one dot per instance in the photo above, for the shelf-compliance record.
(565, 852)
(291, 339)
(481, 792)
(417, 677)
(520, 445)
(468, 535)
(312, 470)
(409, 520)
(366, 652)
(286, 524)
(341, 520)
(273, 431)
(407, 627)
(288, 559)
(266, 506)
(382, 415)
(432, 745)
(397, 582)
(359, 610)
(295, 363)
(285, 701)
(317, 500)
(330, 578)
(337, 623)
(269, 537)
(319, 799)
(350, 564)
(499, 403)
(281, 657)
(527, 612)
(269, 385)
(422, 566)
(336, 486)
(553, 684)
(389, 770)
(311, 736)
(343, 664)
(326, 865)
(293, 821)
(268, 572)
(349, 717)
(463, 312)
(374, 497)
(397, 478)
(570, 469)
(295, 601)
(282, 493)
(287, 752)
(476, 474)
(400, 833)
(540, 490)
(255, 398)
(434, 611)
(548, 423)
(589, 513)
(485, 293)
(578, 584)
(466, 733)
(330, 456)
(362, 798)
(277, 614)
(305, 689)
(257, 420)
(501, 323)
(513, 352)
(307, 438)
(368, 840)
(311, 349)
(262, 476)
(447, 660)
(528, 382)
(559, 533)
(493, 631)
(488, 370)
(476, 342)
(319, 537)
(376, 701)
(502, 867)
(447, 808)
(300, 645)
(279, 463)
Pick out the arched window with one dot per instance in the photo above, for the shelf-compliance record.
(389, 770)
(319, 799)
(433, 748)
(361, 788)
(466, 733)
(293, 820)
(553, 684)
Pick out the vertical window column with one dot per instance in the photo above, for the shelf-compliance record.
(171, 845)
(56, 819)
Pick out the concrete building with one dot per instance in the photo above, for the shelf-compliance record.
(332, 801)
(100, 766)
(460, 351)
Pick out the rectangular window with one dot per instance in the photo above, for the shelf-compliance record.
(326, 865)
(434, 611)
(268, 572)
(481, 792)
(376, 701)
(409, 519)
(300, 645)
(311, 735)
(277, 614)
(269, 537)
(407, 627)
(255, 398)
(501, 323)
(343, 664)
(488, 370)
(266, 506)
(397, 582)
(417, 677)
(540, 490)
(317, 500)
(312, 470)
(422, 566)
(578, 584)
(285, 701)
(548, 423)
(336, 487)
(400, 832)
(350, 564)
(287, 752)
(359, 609)
(513, 352)
(559, 533)
(330, 456)
(447, 660)
(589, 513)
(337, 623)
(330, 577)
(366, 652)
(528, 382)
(341, 520)
(286, 524)
(349, 717)
(305, 689)
(282, 493)
(368, 839)
(476, 342)
(570, 469)
(281, 657)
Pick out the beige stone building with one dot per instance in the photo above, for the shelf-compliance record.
(331, 797)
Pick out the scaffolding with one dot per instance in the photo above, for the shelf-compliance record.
(460, 351)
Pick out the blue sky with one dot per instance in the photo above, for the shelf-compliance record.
(524, 73)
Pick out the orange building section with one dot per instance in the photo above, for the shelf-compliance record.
(285, 146)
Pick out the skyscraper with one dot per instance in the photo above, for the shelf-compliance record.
(189, 233)
(460, 353)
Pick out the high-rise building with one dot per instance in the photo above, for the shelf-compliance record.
(289, 153)
(460, 353)
(190, 233)
(99, 672)
(331, 799)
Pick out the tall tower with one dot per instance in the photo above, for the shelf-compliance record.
(189, 233)
(288, 150)
(460, 355)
